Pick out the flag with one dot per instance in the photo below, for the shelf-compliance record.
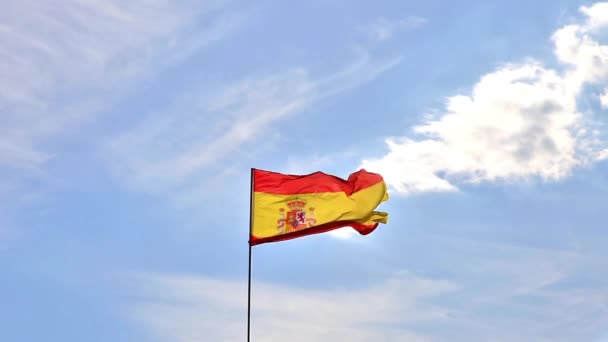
(285, 206)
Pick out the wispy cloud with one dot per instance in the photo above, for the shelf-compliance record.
(520, 121)
(493, 291)
(521, 293)
(382, 28)
(62, 63)
(170, 149)
(214, 310)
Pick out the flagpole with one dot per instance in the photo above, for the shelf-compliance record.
(249, 277)
(249, 299)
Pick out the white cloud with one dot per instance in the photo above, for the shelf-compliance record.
(168, 150)
(63, 62)
(597, 15)
(520, 121)
(604, 99)
(382, 29)
(215, 310)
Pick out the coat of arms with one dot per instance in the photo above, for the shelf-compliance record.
(296, 217)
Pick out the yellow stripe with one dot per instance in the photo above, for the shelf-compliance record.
(327, 207)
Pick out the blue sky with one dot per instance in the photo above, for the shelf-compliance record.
(129, 130)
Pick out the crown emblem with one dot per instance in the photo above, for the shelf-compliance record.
(296, 204)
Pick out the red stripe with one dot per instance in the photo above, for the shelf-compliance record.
(360, 227)
(282, 184)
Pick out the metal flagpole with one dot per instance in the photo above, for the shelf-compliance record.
(249, 278)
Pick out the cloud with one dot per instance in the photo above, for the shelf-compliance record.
(170, 149)
(493, 291)
(215, 310)
(597, 15)
(604, 99)
(63, 63)
(382, 29)
(526, 293)
(171, 146)
(520, 121)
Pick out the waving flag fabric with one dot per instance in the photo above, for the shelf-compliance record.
(290, 206)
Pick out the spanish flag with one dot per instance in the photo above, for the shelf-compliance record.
(286, 207)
